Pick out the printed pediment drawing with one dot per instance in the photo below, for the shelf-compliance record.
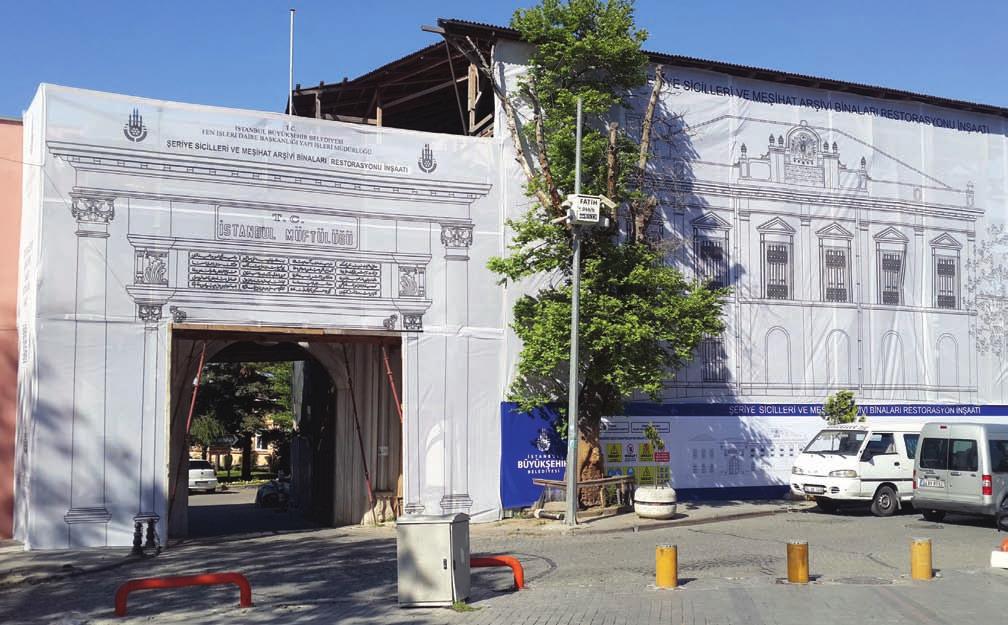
(785, 434)
(946, 240)
(776, 225)
(891, 235)
(702, 438)
(834, 231)
(711, 221)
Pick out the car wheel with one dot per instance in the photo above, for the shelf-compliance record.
(826, 505)
(1001, 516)
(935, 516)
(885, 502)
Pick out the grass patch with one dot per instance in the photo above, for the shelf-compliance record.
(462, 606)
(235, 477)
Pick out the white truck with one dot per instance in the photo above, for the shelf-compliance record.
(858, 463)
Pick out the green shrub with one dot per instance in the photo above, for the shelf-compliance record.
(841, 408)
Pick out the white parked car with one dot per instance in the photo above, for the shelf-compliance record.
(860, 462)
(202, 476)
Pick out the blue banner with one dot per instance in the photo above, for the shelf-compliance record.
(644, 409)
(530, 448)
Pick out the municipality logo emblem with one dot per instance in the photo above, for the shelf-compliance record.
(427, 163)
(135, 130)
(543, 442)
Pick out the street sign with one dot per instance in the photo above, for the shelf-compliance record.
(587, 209)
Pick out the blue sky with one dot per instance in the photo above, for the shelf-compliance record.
(232, 53)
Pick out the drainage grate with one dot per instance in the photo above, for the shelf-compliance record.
(862, 580)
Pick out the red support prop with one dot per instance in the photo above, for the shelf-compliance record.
(516, 567)
(179, 581)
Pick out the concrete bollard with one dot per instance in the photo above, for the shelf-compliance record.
(666, 566)
(920, 559)
(797, 562)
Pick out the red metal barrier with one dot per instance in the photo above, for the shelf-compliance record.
(516, 567)
(207, 579)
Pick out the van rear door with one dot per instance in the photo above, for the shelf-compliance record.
(964, 483)
(932, 468)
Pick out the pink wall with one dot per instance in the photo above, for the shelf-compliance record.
(10, 228)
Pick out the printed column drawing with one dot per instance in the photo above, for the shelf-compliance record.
(412, 493)
(150, 293)
(88, 516)
(457, 239)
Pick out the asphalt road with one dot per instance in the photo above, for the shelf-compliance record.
(231, 512)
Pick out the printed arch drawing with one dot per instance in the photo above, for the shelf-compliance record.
(777, 347)
(892, 373)
(947, 356)
(838, 367)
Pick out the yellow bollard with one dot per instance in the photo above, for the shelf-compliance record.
(797, 562)
(920, 559)
(666, 566)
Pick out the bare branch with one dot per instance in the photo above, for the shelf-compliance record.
(474, 56)
(641, 211)
(544, 165)
(611, 162)
(645, 144)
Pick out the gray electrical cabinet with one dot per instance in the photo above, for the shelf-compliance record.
(433, 559)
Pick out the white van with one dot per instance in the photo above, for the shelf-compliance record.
(961, 467)
(859, 462)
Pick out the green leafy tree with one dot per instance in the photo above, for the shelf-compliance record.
(240, 397)
(640, 318)
(205, 431)
(841, 408)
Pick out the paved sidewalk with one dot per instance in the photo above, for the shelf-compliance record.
(730, 568)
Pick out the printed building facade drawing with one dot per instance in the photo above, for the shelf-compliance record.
(840, 279)
(865, 246)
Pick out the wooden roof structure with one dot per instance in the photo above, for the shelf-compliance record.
(436, 89)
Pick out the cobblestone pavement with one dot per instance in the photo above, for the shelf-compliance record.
(730, 569)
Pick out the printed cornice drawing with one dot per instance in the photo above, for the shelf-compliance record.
(101, 159)
(804, 195)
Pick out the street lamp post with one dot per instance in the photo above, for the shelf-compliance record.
(572, 387)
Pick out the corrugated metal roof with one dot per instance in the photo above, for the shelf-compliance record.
(759, 73)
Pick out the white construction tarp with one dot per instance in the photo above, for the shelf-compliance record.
(865, 247)
(140, 214)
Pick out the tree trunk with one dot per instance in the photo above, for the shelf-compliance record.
(246, 461)
(590, 466)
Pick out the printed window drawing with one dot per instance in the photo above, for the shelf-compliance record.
(891, 253)
(710, 250)
(946, 281)
(712, 259)
(777, 259)
(713, 360)
(945, 265)
(835, 264)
